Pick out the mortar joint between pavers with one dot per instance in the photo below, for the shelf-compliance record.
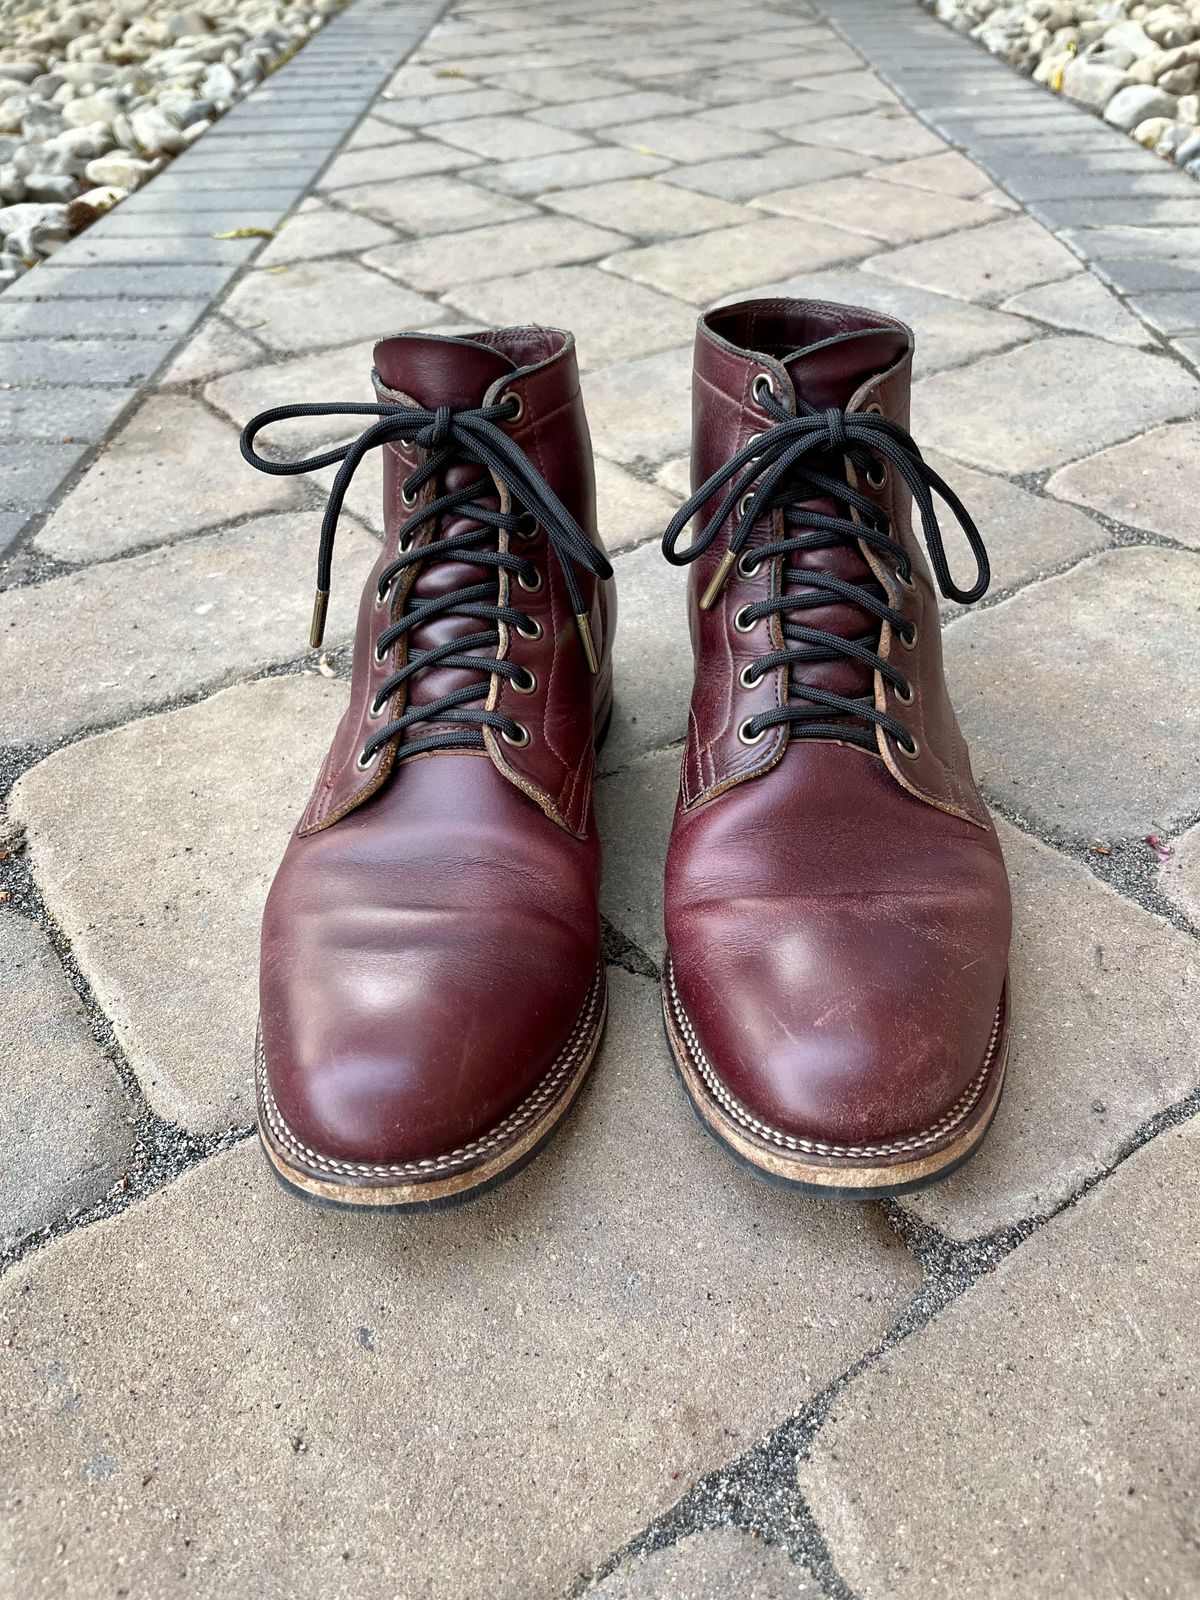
(161, 1151)
(622, 951)
(1128, 866)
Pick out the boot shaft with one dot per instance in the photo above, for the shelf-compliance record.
(843, 366)
(486, 621)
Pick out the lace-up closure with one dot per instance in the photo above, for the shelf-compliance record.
(800, 459)
(448, 437)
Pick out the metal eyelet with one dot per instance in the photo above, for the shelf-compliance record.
(408, 501)
(520, 740)
(746, 736)
(374, 709)
(909, 751)
(534, 630)
(877, 480)
(875, 408)
(909, 583)
(746, 567)
(528, 686)
(909, 641)
(905, 696)
(745, 503)
(380, 660)
(748, 678)
(527, 526)
(365, 760)
(381, 597)
(530, 588)
(517, 402)
(741, 622)
(761, 382)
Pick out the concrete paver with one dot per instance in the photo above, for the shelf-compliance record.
(710, 1566)
(1048, 1416)
(1146, 483)
(613, 319)
(220, 616)
(1050, 402)
(66, 1124)
(172, 470)
(1105, 746)
(532, 1376)
(610, 169)
(1012, 255)
(179, 937)
(318, 303)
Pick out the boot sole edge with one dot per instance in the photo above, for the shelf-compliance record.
(833, 1177)
(469, 1181)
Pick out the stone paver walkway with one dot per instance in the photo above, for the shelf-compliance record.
(634, 1371)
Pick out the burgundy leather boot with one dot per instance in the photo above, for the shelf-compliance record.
(837, 909)
(432, 989)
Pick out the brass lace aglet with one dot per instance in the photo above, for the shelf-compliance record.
(588, 643)
(320, 606)
(708, 599)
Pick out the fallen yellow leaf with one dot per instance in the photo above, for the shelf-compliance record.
(247, 233)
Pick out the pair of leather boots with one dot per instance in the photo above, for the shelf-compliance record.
(837, 910)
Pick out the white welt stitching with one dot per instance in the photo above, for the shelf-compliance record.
(957, 1114)
(563, 1068)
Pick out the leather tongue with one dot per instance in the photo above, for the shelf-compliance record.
(830, 372)
(437, 371)
(440, 371)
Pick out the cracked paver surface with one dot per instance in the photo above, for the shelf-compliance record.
(635, 1370)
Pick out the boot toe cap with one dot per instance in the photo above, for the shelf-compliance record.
(431, 1080)
(838, 1038)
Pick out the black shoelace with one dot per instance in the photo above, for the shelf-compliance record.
(802, 458)
(448, 436)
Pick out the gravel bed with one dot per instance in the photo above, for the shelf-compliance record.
(96, 98)
(1137, 65)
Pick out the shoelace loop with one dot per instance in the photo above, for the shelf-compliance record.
(780, 469)
(446, 435)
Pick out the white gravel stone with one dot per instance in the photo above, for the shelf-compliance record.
(1093, 84)
(103, 95)
(1130, 107)
(1135, 64)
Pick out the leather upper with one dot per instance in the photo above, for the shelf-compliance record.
(875, 372)
(555, 767)
(433, 930)
(837, 919)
